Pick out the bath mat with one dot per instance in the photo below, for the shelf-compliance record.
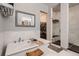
(57, 49)
(36, 52)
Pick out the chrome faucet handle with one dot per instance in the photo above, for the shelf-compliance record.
(14, 41)
(19, 39)
(31, 39)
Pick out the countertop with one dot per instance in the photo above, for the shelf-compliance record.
(13, 48)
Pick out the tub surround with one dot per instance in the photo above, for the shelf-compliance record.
(17, 47)
(21, 49)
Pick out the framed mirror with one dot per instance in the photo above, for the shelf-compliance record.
(23, 19)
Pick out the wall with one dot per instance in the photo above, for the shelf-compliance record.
(64, 24)
(11, 32)
(74, 25)
(1, 34)
(56, 26)
(43, 17)
(56, 15)
(49, 24)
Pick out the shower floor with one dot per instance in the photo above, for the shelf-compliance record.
(72, 47)
(57, 42)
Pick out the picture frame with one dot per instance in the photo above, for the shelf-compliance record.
(24, 19)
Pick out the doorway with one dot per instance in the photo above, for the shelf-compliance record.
(43, 25)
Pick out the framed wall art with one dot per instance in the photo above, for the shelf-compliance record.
(23, 19)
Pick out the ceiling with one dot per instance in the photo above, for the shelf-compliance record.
(51, 4)
(73, 4)
(56, 6)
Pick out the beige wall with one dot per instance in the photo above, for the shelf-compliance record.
(74, 25)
